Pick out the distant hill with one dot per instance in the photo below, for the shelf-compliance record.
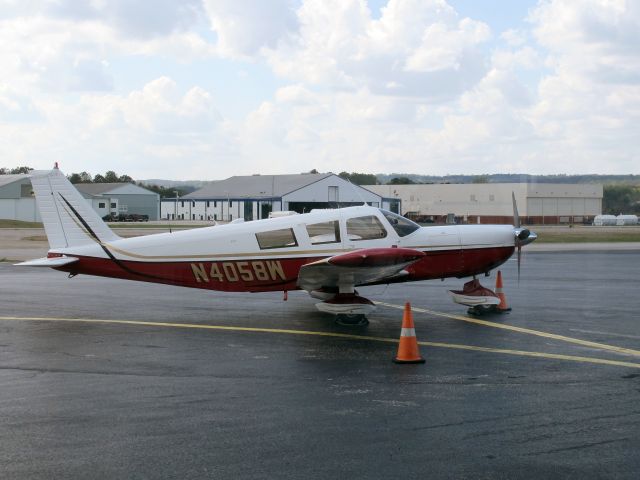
(384, 178)
(177, 183)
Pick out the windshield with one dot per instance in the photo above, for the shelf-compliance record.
(402, 226)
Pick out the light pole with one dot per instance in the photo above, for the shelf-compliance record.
(175, 215)
(228, 206)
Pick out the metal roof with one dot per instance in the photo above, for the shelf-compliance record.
(257, 186)
(97, 189)
(7, 179)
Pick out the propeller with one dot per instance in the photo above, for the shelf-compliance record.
(523, 235)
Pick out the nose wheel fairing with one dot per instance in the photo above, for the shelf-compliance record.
(473, 294)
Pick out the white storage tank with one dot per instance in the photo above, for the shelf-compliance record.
(626, 220)
(602, 220)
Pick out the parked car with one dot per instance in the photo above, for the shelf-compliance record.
(126, 217)
(136, 217)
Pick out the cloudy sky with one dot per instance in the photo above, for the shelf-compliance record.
(205, 89)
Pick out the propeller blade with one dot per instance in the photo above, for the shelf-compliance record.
(516, 216)
(519, 260)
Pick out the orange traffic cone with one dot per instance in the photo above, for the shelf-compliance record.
(502, 307)
(408, 348)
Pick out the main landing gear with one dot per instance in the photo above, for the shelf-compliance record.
(350, 309)
(352, 320)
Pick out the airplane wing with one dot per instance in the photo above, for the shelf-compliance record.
(357, 268)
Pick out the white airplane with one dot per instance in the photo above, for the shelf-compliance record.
(328, 253)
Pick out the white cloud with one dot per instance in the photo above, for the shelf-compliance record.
(244, 27)
(416, 89)
(442, 47)
(595, 62)
(158, 128)
(417, 48)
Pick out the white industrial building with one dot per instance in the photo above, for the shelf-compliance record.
(18, 203)
(121, 198)
(16, 199)
(255, 197)
(538, 203)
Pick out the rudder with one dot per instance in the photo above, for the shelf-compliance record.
(69, 220)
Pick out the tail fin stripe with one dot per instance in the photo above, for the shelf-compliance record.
(84, 224)
(104, 247)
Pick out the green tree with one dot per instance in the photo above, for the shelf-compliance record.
(111, 177)
(359, 178)
(99, 179)
(480, 179)
(401, 181)
(617, 199)
(18, 170)
(74, 178)
(82, 177)
(165, 192)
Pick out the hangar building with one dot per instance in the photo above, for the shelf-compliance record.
(16, 199)
(538, 203)
(119, 198)
(18, 203)
(254, 197)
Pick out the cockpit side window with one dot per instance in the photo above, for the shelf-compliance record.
(277, 239)
(325, 232)
(402, 226)
(365, 228)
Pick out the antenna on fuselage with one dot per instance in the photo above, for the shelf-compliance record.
(358, 192)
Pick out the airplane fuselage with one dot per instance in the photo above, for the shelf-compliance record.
(267, 255)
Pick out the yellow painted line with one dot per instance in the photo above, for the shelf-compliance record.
(522, 353)
(528, 331)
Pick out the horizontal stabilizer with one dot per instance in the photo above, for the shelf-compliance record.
(48, 262)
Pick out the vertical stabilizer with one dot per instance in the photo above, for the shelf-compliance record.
(69, 220)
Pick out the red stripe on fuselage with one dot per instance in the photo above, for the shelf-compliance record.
(280, 273)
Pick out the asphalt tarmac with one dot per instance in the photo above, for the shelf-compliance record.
(212, 385)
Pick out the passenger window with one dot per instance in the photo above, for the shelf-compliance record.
(365, 228)
(277, 239)
(325, 232)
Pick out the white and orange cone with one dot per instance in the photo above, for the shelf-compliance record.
(503, 306)
(408, 351)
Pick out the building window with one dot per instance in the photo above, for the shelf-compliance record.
(193, 204)
(365, 228)
(208, 204)
(333, 194)
(325, 232)
(113, 205)
(182, 204)
(277, 239)
(102, 205)
(230, 202)
(215, 204)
